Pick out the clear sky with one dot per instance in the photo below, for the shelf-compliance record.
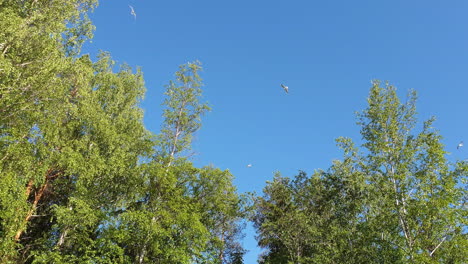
(327, 52)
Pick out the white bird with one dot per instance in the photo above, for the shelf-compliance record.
(460, 145)
(132, 11)
(285, 88)
(249, 166)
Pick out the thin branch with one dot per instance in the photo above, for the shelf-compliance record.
(24, 63)
(178, 131)
(5, 50)
(400, 216)
(62, 238)
(438, 246)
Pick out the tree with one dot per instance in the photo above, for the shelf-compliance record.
(181, 213)
(398, 201)
(71, 136)
(110, 140)
(162, 225)
(222, 212)
(418, 211)
(32, 102)
(182, 114)
(272, 220)
(312, 219)
(82, 180)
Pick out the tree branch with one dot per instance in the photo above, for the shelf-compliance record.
(437, 246)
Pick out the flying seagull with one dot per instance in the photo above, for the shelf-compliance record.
(249, 166)
(460, 145)
(285, 88)
(132, 11)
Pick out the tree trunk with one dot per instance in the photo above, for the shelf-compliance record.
(37, 198)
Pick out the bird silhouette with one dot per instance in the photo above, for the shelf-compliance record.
(460, 145)
(285, 88)
(132, 11)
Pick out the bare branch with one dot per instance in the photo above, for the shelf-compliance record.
(438, 246)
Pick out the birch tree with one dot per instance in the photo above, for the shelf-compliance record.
(397, 199)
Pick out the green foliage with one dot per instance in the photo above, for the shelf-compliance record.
(81, 179)
(399, 201)
(183, 112)
(222, 212)
(182, 214)
(36, 112)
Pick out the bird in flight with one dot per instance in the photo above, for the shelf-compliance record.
(249, 166)
(460, 145)
(285, 88)
(132, 11)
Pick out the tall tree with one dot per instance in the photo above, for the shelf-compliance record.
(34, 101)
(167, 220)
(111, 140)
(397, 201)
(418, 211)
(183, 213)
(82, 181)
(71, 136)
(182, 114)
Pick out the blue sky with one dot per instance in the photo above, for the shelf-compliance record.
(327, 52)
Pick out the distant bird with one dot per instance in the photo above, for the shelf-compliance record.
(460, 145)
(132, 11)
(249, 166)
(285, 88)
